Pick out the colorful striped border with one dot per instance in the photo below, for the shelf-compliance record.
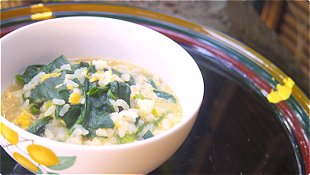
(262, 74)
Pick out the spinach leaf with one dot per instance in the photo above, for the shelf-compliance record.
(152, 83)
(128, 138)
(99, 98)
(46, 90)
(24, 98)
(165, 95)
(34, 109)
(102, 103)
(91, 85)
(138, 96)
(62, 89)
(99, 119)
(99, 115)
(141, 128)
(33, 70)
(77, 81)
(116, 72)
(162, 94)
(91, 69)
(95, 111)
(156, 123)
(97, 91)
(91, 134)
(160, 118)
(72, 115)
(131, 81)
(148, 134)
(56, 64)
(137, 120)
(111, 95)
(28, 74)
(20, 80)
(106, 88)
(121, 91)
(38, 127)
(94, 91)
(84, 115)
(81, 64)
(57, 110)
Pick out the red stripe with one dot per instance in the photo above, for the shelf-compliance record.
(298, 131)
(287, 112)
(9, 29)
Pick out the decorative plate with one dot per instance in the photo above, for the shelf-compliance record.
(253, 118)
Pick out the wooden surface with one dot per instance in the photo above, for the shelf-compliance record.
(271, 13)
(294, 32)
(290, 20)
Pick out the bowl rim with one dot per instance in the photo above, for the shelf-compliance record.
(176, 128)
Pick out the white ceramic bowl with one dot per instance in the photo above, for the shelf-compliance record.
(99, 38)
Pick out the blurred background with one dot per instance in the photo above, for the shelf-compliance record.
(290, 20)
(279, 30)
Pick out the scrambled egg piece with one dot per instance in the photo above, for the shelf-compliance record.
(69, 86)
(96, 76)
(93, 79)
(85, 73)
(51, 75)
(282, 92)
(75, 98)
(24, 120)
(155, 112)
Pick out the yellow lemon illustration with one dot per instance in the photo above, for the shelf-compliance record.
(25, 162)
(42, 155)
(282, 92)
(10, 135)
(274, 97)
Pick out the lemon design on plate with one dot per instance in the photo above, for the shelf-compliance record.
(42, 155)
(10, 135)
(25, 162)
(283, 92)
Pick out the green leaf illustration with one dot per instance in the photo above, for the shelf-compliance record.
(40, 171)
(52, 173)
(64, 163)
